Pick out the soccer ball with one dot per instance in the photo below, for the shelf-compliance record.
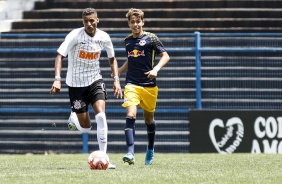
(72, 118)
(98, 160)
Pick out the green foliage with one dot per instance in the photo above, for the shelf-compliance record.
(167, 168)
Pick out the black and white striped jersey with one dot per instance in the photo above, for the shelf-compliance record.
(83, 54)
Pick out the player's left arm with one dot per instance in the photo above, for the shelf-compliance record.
(163, 61)
(116, 85)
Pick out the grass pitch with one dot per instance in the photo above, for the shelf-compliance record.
(167, 168)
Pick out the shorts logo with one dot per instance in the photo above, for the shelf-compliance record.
(77, 104)
(103, 86)
(142, 42)
(126, 100)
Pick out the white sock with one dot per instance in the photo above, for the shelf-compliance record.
(85, 130)
(102, 131)
(74, 119)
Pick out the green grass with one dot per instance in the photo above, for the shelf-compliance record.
(167, 168)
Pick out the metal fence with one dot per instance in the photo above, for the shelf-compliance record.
(241, 69)
(206, 71)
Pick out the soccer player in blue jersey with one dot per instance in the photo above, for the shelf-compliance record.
(141, 89)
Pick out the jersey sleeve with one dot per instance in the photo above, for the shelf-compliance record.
(108, 45)
(157, 44)
(67, 44)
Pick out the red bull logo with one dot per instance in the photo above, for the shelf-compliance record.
(136, 53)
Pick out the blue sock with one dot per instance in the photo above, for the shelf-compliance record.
(129, 132)
(151, 129)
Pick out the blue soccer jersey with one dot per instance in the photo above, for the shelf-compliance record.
(141, 54)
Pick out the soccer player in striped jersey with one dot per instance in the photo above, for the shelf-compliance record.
(83, 47)
(141, 89)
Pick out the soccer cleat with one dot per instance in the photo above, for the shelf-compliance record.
(129, 158)
(71, 124)
(111, 166)
(149, 157)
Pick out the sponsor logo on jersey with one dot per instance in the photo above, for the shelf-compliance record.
(88, 55)
(135, 53)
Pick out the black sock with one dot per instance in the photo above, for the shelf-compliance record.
(151, 129)
(129, 132)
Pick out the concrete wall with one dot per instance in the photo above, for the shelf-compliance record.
(11, 10)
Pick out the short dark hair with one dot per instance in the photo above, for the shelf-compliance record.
(136, 12)
(88, 11)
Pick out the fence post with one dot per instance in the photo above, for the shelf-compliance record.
(85, 143)
(198, 70)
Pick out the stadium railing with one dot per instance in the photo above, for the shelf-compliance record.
(197, 49)
(211, 54)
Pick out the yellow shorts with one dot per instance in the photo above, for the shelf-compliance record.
(144, 97)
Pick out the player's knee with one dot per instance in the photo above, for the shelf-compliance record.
(148, 117)
(149, 120)
(131, 115)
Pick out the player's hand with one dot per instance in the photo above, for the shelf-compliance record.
(117, 89)
(152, 74)
(56, 87)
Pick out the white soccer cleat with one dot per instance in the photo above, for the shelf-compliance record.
(111, 166)
(71, 124)
(129, 158)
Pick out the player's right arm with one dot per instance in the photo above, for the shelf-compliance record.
(56, 87)
(123, 68)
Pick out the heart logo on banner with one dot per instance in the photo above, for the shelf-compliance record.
(228, 135)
